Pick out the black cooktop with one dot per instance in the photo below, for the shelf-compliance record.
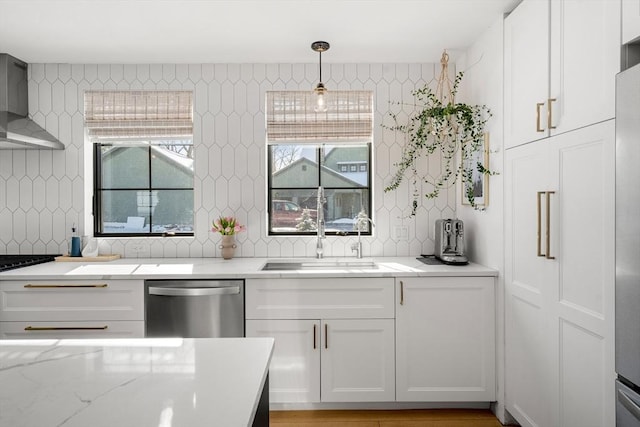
(10, 262)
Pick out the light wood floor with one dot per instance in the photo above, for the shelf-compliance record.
(383, 418)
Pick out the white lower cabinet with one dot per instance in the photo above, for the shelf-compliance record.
(72, 309)
(342, 354)
(417, 339)
(294, 373)
(61, 330)
(445, 339)
(358, 360)
(333, 360)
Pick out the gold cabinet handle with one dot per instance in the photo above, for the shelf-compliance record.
(326, 336)
(65, 328)
(548, 231)
(401, 292)
(550, 113)
(52, 286)
(538, 106)
(314, 336)
(539, 248)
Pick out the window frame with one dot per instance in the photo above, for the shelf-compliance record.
(98, 189)
(319, 147)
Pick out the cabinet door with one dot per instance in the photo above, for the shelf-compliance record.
(526, 72)
(445, 339)
(630, 20)
(358, 360)
(62, 330)
(582, 306)
(71, 300)
(528, 278)
(559, 308)
(320, 298)
(294, 373)
(585, 57)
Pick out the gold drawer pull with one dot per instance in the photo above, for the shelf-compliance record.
(65, 328)
(548, 231)
(539, 233)
(31, 286)
(326, 336)
(538, 106)
(550, 113)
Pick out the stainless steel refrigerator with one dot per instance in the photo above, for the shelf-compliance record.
(628, 247)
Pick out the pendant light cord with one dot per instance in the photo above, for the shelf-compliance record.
(320, 46)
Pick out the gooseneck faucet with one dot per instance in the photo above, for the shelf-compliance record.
(361, 219)
(320, 221)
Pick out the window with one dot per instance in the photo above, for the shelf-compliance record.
(143, 162)
(308, 149)
(296, 172)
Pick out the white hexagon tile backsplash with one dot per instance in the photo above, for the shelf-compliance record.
(42, 193)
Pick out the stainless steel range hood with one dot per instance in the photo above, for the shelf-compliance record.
(17, 130)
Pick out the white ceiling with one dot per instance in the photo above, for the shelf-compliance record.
(241, 31)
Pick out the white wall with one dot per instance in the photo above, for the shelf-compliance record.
(42, 193)
(484, 230)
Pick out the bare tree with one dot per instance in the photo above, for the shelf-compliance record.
(185, 150)
(284, 155)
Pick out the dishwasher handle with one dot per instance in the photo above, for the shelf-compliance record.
(193, 292)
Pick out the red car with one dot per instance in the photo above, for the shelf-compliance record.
(285, 213)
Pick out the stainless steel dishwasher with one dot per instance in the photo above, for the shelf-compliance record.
(194, 308)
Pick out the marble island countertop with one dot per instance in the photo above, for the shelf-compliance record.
(204, 268)
(132, 382)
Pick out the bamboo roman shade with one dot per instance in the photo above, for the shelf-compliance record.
(291, 117)
(112, 116)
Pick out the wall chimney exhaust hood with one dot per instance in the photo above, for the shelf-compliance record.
(17, 131)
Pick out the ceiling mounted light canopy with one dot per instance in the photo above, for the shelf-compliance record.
(320, 90)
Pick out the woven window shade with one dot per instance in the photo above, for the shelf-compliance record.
(138, 115)
(291, 117)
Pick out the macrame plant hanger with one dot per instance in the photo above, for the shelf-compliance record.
(444, 92)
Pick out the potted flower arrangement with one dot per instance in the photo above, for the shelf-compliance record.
(227, 226)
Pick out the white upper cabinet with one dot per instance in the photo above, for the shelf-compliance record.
(561, 58)
(526, 73)
(630, 20)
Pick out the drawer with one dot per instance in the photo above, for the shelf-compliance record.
(71, 300)
(61, 330)
(318, 298)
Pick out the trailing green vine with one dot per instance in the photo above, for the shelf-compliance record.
(444, 126)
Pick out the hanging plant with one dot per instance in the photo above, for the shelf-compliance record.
(440, 125)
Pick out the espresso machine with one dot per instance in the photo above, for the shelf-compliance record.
(450, 242)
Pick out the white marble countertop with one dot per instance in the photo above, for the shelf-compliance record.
(205, 268)
(132, 382)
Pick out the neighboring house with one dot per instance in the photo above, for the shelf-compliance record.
(127, 167)
(342, 200)
(351, 162)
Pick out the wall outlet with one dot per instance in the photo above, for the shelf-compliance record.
(401, 233)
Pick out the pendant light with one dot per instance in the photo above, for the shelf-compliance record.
(320, 90)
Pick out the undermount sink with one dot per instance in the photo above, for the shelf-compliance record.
(319, 265)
